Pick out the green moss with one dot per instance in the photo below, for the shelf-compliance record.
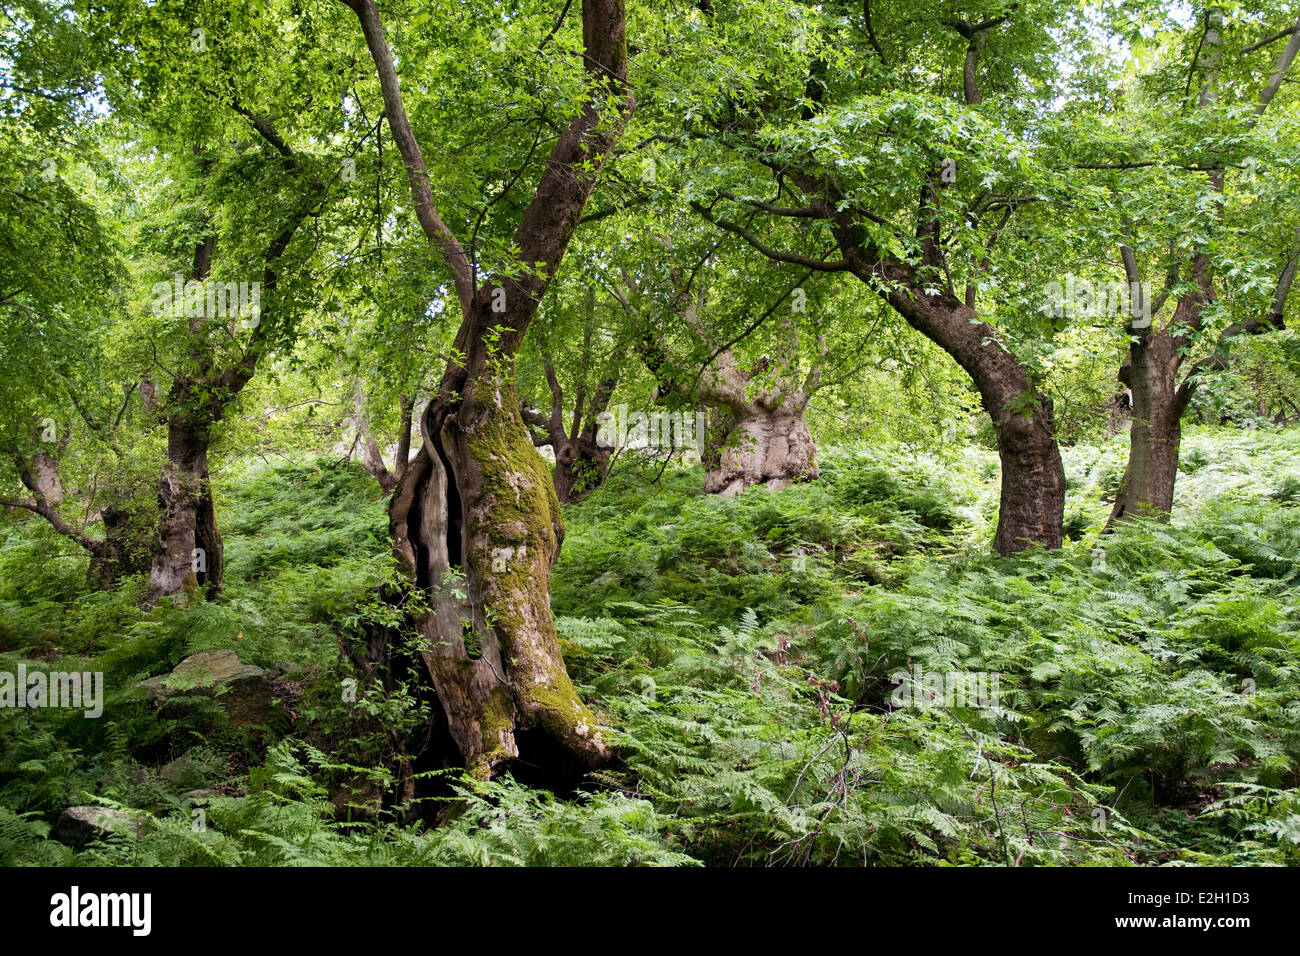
(497, 722)
(565, 717)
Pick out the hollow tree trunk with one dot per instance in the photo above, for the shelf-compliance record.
(478, 497)
(762, 446)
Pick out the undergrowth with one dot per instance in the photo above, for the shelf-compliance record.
(747, 656)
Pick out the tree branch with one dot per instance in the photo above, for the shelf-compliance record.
(417, 173)
(819, 265)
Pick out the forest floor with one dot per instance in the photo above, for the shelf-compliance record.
(839, 672)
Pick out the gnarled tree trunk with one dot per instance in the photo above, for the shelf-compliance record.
(123, 551)
(477, 496)
(580, 466)
(762, 446)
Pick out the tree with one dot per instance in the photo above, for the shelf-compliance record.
(966, 175)
(477, 496)
(758, 434)
(570, 324)
(1159, 351)
(235, 190)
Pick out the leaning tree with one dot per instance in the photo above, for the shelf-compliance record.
(897, 147)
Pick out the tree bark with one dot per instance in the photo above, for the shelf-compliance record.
(1155, 431)
(372, 458)
(1119, 412)
(580, 466)
(123, 552)
(477, 498)
(765, 446)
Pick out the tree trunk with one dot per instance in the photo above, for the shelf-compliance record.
(580, 466)
(1031, 508)
(372, 458)
(188, 548)
(406, 405)
(581, 462)
(123, 553)
(1151, 372)
(751, 439)
(1119, 412)
(478, 497)
(771, 447)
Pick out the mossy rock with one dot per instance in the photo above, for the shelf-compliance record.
(242, 690)
(79, 826)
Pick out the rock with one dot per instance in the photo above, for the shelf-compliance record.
(198, 796)
(78, 826)
(243, 690)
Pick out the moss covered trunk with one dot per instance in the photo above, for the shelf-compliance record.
(475, 520)
(477, 523)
